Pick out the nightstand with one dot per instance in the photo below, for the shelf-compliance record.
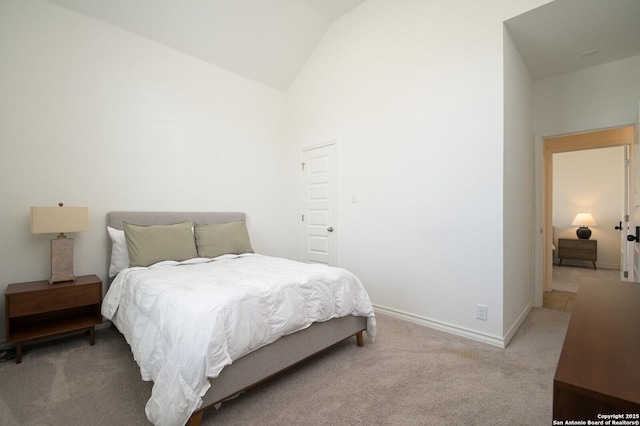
(577, 249)
(37, 309)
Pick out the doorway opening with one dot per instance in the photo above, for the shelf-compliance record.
(622, 136)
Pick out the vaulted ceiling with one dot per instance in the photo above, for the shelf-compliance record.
(265, 40)
(270, 40)
(568, 35)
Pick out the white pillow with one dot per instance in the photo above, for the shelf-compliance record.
(119, 252)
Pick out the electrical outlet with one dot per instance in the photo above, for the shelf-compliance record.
(481, 312)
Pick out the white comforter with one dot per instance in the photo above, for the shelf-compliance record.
(186, 321)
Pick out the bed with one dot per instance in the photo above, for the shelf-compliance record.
(146, 304)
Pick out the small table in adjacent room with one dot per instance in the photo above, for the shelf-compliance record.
(37, 309)
(577, 249)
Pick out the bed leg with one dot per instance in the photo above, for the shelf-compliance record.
(360, 339)
(195, 418)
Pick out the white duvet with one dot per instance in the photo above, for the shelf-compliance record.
(185, 321)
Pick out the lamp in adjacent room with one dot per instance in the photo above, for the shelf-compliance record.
(583, 220)
(53, 220)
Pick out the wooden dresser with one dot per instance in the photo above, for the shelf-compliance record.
(577, 249)
(599, 367)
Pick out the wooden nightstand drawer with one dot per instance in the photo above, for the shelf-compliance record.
(586, 245)
(55, 299)
(578, 253)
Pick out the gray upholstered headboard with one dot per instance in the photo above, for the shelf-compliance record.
(116, 218)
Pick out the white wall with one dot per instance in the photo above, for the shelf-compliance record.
(590, 181)
(518, 194)
(594, 98)
(412, 91)
(94, 116)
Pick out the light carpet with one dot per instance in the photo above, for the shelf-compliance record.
(568, 278)
(411, 375)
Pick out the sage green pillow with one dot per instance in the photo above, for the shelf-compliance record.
(225, 238)
(151, 244)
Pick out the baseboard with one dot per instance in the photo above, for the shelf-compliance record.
(586, 264)
(517, 324)
(105, 323)
(442, 326)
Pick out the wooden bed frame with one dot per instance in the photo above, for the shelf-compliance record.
(266, 362)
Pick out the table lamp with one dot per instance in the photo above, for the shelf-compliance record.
(53, 220)
(583, 220)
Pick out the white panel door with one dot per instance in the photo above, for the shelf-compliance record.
(634, 252)
(318, 205)
(626, 222)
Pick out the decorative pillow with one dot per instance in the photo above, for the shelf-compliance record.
(151, 244)
(225, 238)
(119, 252)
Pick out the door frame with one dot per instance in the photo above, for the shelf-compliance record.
(604, 138)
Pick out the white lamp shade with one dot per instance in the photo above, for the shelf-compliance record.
(53, 220)
(583, 219)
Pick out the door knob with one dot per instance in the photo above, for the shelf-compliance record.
(330, 229)
(619, 227)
